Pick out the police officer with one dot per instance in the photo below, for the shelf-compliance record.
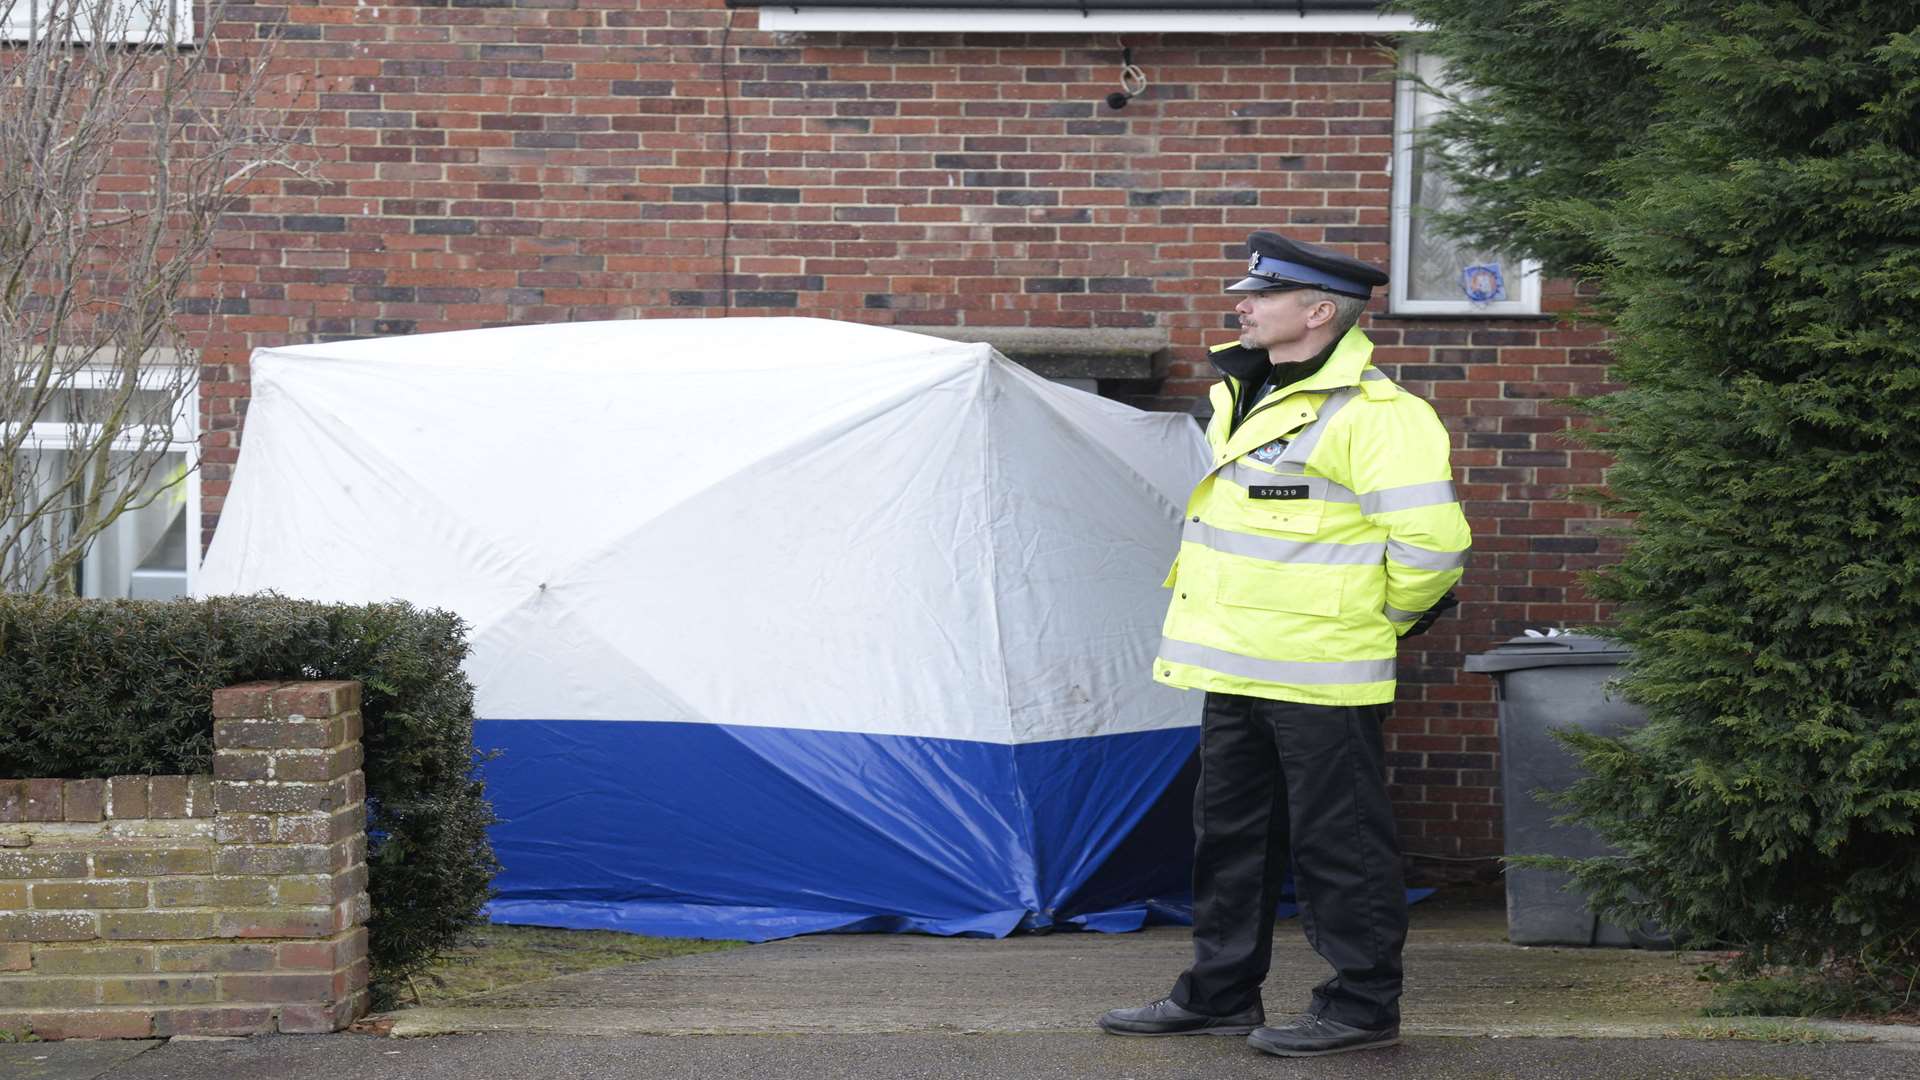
(1327, 530)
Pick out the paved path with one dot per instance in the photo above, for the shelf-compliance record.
(1462, 979)
(878, 1007)
(983, 1057)
(862, 984)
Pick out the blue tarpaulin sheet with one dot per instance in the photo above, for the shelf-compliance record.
(751, 833)
(698, 830)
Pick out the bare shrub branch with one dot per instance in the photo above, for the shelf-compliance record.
(123, 143)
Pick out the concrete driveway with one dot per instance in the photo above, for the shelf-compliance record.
(885, 1006)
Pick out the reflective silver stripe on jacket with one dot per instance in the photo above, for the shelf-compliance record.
(1293, 672)
(1422, 559)
(1274, 549)
(1395, 614)
(1301, 448)
(1407, 497)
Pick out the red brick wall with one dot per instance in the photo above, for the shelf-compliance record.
(230, 904)
(494, 161)
(1496, 385)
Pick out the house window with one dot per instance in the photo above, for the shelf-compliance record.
(140, 22)
(150, 551)
(1434, 274)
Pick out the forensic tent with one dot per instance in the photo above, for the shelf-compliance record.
(778, 625)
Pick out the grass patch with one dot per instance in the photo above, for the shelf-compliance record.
(1831, 990)
(495, 956)
(1772, 1031)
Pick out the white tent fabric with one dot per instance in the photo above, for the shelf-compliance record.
(661, 528)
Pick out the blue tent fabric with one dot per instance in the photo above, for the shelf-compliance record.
(753, 833)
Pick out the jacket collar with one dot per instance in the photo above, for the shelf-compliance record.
(1345, 363)
(1351, 356)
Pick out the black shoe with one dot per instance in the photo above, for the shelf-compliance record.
(1312, 1036)
(1163, 1017)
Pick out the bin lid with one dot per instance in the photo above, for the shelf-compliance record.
(1560, 650)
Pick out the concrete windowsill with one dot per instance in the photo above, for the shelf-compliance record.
(1065, 353)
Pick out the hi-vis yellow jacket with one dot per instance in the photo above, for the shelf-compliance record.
(1326, 526)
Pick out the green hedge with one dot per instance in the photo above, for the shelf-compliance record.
(1748, 206)
(104, 688)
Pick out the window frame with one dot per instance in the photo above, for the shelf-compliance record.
(1525, 305)
(18, 27)
(55, 436)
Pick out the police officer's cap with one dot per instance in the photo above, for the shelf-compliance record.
(1275, 262)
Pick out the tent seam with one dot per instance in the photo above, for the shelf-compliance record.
(1023, 816)
(340, 432)
(1080, 433)
(733, 732)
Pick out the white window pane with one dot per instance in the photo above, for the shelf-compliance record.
(1439, 267)
(162, 574)
(1436, 269)
(36, 475)
(143, 554)
(149, 22)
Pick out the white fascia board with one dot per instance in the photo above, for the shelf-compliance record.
(977, 21)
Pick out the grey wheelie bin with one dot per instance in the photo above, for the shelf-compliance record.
(1546, 683)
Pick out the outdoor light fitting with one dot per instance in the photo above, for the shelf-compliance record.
(1133, 81)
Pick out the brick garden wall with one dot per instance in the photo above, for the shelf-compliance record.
(150, 906)
(495, 161)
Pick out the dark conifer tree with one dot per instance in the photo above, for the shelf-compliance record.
(1741, 181)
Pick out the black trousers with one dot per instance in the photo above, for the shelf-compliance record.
(1280, 779)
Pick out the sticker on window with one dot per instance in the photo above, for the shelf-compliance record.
(1483, 284)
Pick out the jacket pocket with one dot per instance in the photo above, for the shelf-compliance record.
(1298, 516)
(1301, 590)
